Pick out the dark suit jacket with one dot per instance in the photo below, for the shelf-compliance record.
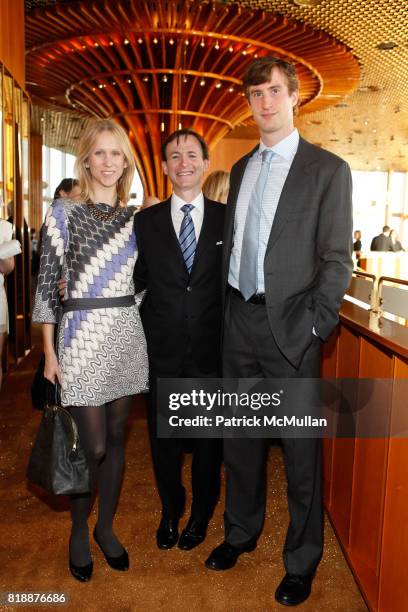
(181, 314)
(308, 261)
(381, 243)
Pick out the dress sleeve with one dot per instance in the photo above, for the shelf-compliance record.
(54, 240)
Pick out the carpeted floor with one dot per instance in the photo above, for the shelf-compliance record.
(35, 528)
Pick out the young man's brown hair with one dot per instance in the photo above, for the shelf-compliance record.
(259, 71)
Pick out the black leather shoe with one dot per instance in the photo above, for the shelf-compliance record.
(120, 563)
(294, 589)
(225, 556)
(83, 573)
(167, 533)
(192, 535)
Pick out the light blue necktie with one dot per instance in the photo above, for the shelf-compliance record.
(248, 269)
(187, 238)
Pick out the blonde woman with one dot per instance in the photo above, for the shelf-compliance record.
(102, 359)
(216, 186)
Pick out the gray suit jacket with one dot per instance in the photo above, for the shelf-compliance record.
(308, 261)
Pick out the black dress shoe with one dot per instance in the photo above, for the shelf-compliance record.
(83, 573)
(225, 556)
(167, 533)
(120, 563)
(293, 589)
(192, 535)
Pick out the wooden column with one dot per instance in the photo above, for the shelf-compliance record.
(36, 191)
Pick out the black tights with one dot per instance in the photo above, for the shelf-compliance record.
(101, 432)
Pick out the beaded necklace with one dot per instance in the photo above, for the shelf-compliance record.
(100, 215)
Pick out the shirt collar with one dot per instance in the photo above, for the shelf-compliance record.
(198, 202)
(285, 148)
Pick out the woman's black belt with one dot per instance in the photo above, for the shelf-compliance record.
(92, 303)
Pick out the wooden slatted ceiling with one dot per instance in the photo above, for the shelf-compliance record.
(155, 65)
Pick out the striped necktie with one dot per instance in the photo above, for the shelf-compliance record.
(248, 269)
(187, 238)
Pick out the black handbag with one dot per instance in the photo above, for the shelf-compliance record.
(57, 462)
(41, 388)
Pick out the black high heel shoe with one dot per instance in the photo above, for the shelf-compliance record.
(83, 573)
(120, 563)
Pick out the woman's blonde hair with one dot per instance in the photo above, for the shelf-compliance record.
(216, 186)
(86, 142)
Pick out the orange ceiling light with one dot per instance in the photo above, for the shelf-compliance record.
(155, 65)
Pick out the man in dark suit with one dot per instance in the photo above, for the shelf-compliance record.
(286, 266)
(179, 263)
(382, 242)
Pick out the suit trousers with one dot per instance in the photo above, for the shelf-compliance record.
(167, 455)
(250, 351)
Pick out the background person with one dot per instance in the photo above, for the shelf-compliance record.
(357, 246)
(395, 243)
(102, 358)
(149, 200)
(382, 242)
(68, 188)
(6, 266)
(216, 186)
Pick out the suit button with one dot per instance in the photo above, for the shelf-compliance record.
(189, 288)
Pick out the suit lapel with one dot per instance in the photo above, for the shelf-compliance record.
(235, 186)
(237, 175)
(165, 228)
(292, 190)
(208, 233)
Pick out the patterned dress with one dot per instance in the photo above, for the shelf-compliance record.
(102, 352)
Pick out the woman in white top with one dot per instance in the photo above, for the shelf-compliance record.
(6, 266)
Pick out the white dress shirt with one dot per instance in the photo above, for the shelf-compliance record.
(284, 152)
(197, 213)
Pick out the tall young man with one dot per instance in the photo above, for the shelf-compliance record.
(286, 266)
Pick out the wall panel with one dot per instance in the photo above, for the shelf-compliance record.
(394, 567)
(12, 38)
(343, 448)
